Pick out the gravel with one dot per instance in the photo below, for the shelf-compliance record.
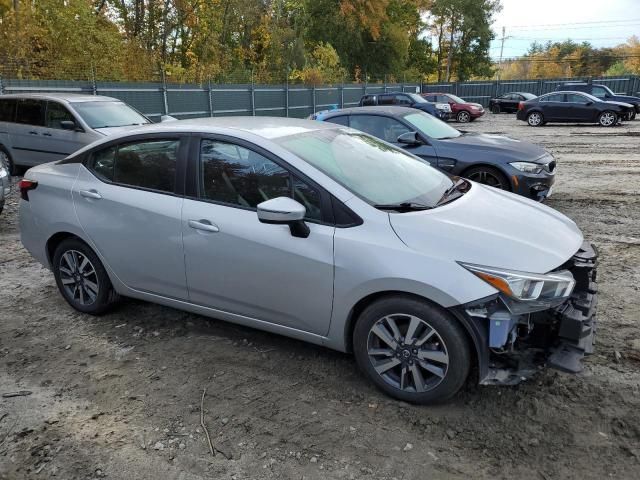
(113, 402)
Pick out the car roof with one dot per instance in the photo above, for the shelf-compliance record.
(65, 97)
(391, 110)
(265, 127)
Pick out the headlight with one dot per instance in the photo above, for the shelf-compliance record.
(531, 291)
(527, 167)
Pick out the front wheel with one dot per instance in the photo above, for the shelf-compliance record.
(463, 116)
(81, 277)
(631, 116)
(488, 176)
(535, 119)
(608, 118)
(5, 160)
(412, 350)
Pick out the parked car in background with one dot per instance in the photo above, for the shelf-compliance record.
(493, 160)
(603, 93)
(440, 110)
(461, 110)
(572, 107)
(508, 102)
(5, 183)
(38, 128)
(273, 223)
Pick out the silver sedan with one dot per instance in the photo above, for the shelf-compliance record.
(324, 234)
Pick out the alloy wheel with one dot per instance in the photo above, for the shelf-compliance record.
(5, 161)
(79, 278)
(534, 119)
(407, 353)
(464, 117)
(486, 178)
(607, 119)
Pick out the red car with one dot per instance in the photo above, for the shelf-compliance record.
(461, 110)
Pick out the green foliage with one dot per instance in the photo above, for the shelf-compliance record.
(313, 41)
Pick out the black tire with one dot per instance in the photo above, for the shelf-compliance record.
(1, 205)
(8, 161)
(608, 119)
(463, 116)
(488, 176)
(450, 337)
(106, 296)
(631, 116)
(535, 119)
(495, 109)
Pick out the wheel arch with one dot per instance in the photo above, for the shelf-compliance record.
(475, 336)
(56, 239)
(490, 165)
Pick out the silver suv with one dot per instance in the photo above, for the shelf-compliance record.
(325, 234)
(40, 128)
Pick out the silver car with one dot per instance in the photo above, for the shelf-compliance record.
(38, 128)
(324, 234)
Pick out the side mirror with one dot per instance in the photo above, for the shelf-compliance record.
(410, 138)
(589, 103)
(284, 211)
(69, 125)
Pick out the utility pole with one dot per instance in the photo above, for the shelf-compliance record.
(500, 61)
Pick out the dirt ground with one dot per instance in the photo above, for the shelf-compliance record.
(119, 396)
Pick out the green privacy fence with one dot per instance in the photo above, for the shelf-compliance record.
(191, 101)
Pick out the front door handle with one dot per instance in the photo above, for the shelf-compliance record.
(91, 194)
(46, 134)
(33, 133)
(204, 225)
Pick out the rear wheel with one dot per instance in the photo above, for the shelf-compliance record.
(412, 350)
(535, 119)
(5, 160)
(495, 109)
(608, 118)
(81, 278)
(463, 116)
(488, 176)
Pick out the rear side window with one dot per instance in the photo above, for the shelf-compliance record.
(56, 114)
(385, 99)
(8, 110)
(31, 112)
(149, 164)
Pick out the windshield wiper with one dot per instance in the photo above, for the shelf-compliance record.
(403, 207)
(451, 190)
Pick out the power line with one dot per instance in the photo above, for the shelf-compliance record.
(599, 22)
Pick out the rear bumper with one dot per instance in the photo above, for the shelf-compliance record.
(512, 348)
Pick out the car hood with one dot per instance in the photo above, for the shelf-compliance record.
(494, 228)
(627, 99)
(495, 144)
(107, 131)
(622, 104)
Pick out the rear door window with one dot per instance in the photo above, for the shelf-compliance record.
(556, 97)
(149, 164)
(8, 110)
(385, 99)
(575, 98)
(30, 112)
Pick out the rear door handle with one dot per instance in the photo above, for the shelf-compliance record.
(33, 132)
(204, 225)
(46, 134)
(90, 194)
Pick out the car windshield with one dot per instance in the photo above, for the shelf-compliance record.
(455, 98)
(431, 126)
(108, 114)
(417, 98)
(373, 170)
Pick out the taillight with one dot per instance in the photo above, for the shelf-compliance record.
(520, 105)
(25, 185)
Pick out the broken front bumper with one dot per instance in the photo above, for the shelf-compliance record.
(514, 347)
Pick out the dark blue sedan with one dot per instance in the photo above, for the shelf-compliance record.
(495, 160)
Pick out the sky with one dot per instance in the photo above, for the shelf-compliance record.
(557, 20)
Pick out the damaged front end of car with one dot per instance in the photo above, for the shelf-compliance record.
(535, 320)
